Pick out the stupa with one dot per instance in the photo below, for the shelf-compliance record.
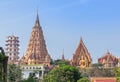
(36, 56)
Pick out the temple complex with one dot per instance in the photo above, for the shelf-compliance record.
(108, 60)
(12, 49)
(81, 58)
(36, 56)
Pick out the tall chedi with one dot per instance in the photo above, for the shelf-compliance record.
(36, 56)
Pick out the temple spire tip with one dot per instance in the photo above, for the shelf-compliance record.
(37, 19)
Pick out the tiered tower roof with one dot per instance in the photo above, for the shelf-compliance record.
(12, 49)
(36, 52)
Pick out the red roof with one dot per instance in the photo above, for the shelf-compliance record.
(108, 57)
(103, 80)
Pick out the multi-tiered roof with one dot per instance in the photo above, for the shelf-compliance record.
(12, 49)
(81, 58)
(36, 52)
(108, 60)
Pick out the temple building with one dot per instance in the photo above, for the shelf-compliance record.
(108, 60)
(36, 56)
(12, 49)
(81, 58)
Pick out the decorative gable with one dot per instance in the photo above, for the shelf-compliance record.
(81, 58)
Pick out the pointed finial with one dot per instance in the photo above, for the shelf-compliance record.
(37, 16)
(37, 12)
(108, 51)
(63, 55)
(81, 39)
(80, 42)
(37, 23)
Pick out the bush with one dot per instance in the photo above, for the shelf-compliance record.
(84, 79)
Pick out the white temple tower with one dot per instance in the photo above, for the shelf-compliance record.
(12, 49)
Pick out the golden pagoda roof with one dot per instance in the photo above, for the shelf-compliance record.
(36, 51)
(82, 48)
(81, 57)
(108, 57)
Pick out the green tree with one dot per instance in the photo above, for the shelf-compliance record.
(14, 73)
(3, 66)
(2, 57)
(84, 79)
(117, 74)
(64, 73)
(60, 62)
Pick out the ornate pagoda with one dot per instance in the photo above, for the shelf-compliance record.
(108, 60)
(36, 56)
(12, 49)
(81, 58)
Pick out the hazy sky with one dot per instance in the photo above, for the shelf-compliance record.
(63, 23)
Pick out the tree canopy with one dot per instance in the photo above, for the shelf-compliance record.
(60, 62)
(64, 73)
(14, 73)
(84, 79)
(98, 72)
(117, 74)
(3, 66)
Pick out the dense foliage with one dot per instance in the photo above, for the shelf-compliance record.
(98, 72)
(14, 73)
(117, 74)
(60, 62)
(2, 57)
(84, 79)
(63, 73)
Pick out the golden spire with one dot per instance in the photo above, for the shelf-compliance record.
(36, 51)
(37, 23)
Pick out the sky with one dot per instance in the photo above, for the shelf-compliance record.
(63, 23)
